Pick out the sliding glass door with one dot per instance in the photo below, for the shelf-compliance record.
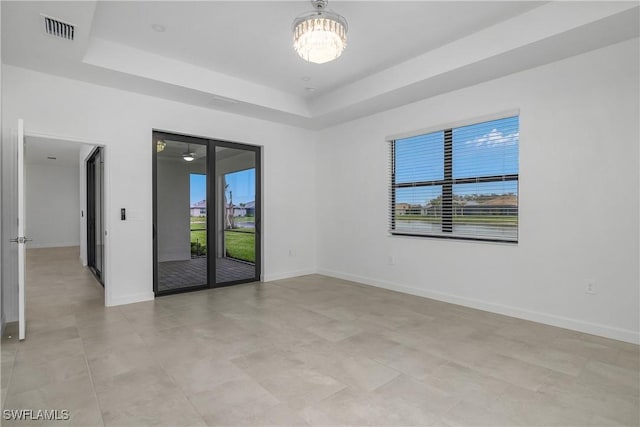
(237, 235)
(206, 213)
(181, 171)
(95, 213)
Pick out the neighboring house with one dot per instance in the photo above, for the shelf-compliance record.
(431, 209)
(199, 209)
(401, 208)
(246, 209)
(251, 208)
(498, 205)
(408, 209)
(238, 210)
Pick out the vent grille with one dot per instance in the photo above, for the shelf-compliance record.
(56, 28)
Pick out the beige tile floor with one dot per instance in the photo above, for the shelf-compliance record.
(305, 351)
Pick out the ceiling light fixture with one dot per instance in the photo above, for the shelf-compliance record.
(189, 156)
(319, 36)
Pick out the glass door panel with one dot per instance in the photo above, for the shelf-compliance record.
(237, 234)
(181, 229)
(206, 226)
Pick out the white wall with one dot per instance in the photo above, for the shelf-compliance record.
(123, 122)
(578, 199)
(52, 205)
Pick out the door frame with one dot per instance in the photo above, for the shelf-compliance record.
(257, 150)
(90, 207)
(106, 199)
(8, 226)
(193, 140)
(21, 239)
(212, 214)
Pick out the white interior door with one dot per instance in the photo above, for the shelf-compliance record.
(21, 240)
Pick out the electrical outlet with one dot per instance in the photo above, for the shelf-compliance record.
(590, 288)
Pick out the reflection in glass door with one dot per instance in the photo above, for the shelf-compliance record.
(206, 213)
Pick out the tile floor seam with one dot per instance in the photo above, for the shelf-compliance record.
(93, 386)
(170, 377)
(9, 381)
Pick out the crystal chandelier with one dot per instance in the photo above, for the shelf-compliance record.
(319, 36)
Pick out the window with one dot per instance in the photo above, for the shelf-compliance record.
(458, 183)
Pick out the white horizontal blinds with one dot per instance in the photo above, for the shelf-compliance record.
(485, 174)
(486, 149)
(486, 210)
(415, 212)
(419, 171)
(459, 183)
(420, 158)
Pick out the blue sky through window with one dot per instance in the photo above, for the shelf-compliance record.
(483, 149)
(420, 158)
(242, 183)
(198, 187)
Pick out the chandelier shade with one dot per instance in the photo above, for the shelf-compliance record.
(319, 36)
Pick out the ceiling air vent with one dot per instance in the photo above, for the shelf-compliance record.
(57, 28)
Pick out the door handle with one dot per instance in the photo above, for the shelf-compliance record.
(20, 240)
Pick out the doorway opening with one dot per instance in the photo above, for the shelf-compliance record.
(55, 220)
(207, 211)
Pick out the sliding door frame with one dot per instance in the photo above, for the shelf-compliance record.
(91, 213)
(212, 214)
(193, 140)
(257, 150)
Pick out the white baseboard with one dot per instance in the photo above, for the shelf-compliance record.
(534, 316)
(286, 275)
(129, 299)
(33, 245)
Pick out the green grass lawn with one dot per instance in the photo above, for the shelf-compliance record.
(199, 236)
(198, 222)
(240, 243)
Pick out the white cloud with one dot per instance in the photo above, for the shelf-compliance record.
(495, 138)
